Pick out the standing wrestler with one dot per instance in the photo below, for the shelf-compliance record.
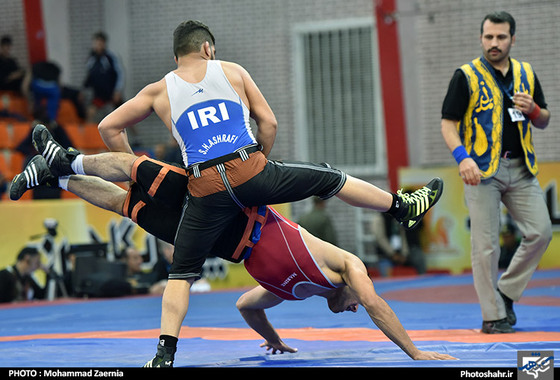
(486, 122)
(207, 104)
(272, 248)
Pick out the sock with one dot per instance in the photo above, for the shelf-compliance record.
(396, 205)
(78, 164)
(63, 182)
(168, 341)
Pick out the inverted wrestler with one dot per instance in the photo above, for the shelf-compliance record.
(303, 265)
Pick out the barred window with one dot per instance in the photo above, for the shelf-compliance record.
(337, 101)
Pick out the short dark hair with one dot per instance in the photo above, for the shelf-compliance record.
(100, 36)
(189, 36)
(27, 251)
(6, 40)
(499, 18)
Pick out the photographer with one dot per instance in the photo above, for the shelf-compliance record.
(17, 282)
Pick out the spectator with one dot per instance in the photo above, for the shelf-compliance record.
(26, 145)
(105, 78)
(3, 184)
(44, 89)
(318, 222)
(17, 282)
(160, 151)
(43, 84)
(139, 280)
(510, 242)
(160, 272)
(11, 74)
(169, 152)
(395, 246)
(173, 152)
(162, 266)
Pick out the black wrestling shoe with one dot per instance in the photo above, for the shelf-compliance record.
(510, 314)
(58, 158)
(413, 206)
(164, 358)
(501, 326)
(35, 174)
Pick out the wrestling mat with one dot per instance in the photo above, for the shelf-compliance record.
(440, 313)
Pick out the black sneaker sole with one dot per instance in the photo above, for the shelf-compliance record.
(36, 173)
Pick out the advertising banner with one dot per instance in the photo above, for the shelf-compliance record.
(446, 233)
(63, 225)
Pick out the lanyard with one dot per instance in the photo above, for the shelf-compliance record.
(506, 91)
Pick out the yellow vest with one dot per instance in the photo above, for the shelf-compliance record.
(482, 125)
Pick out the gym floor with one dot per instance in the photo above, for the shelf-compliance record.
(440, 313)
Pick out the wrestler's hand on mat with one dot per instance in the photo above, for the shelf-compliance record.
(431, 355)
(279, 347)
